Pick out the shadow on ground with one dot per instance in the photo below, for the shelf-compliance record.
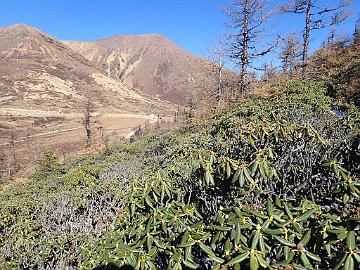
(112, 266)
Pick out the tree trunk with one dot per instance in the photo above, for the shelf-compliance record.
(306, 35)
(220, 93)
(245, 47)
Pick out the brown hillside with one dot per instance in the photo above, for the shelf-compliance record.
(37, 71)
(150, 63)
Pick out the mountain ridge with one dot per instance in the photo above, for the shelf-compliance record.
(151, 63)
(38, 70)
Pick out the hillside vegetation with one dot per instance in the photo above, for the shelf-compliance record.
(263, 183)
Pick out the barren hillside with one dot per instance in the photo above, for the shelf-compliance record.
(151, 63)
(37, 71)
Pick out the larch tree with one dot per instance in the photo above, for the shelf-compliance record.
(211, 86)
(290, 52)
(87, 121)
(220, 81)
(217, 68)
(317, 15)
(12, 142)
(357, 32)
(269, 71)
(248, 19)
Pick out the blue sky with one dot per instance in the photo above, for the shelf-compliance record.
(192, 24)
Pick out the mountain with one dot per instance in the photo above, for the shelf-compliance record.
(40, 72)
(151, 63)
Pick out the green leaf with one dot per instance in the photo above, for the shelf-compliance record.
(340, 262)
(221, 228)
(185, 237)
(328, 249)
(306, 238)
(247, 174)
(357, 257)
(269, 207)
(239, 258)
(299, 267)
(290, 256)
(312, 256)
(251, 140)
(176, 266)
(305, 260)
(254, 265)
(254, 167)
(191, 264)
(272, 231)
(306, 215)
(151, 265)
(262, 261)
(206, 249)
(187, 244)
(216, 259)
(148, 202)
(227, 247)
(261, 243)
(228, 169)
(255, 239)
(216, 267)
(242, 178)
(349, 263)
(149, 241)
(350, 240)
(236, 175)
(288, 212)
(188, 251)
(262, 170)
(237, 233)
(355, 219)
(284, 241)
(207, 178)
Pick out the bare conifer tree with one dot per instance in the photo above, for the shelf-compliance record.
(212, 87)
(290, 52)
(87, 121)
(13, 153)
(217, 58)
(2, 166)
(191, 106)
(28, 140)
(270, 72)
(219, 83)
(357, 32)
(248, 19)
(316, 16)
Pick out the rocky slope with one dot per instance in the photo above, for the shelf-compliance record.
(150, 63)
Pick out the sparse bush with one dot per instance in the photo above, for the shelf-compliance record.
(48, 164)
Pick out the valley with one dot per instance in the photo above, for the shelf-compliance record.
(45, 87)
(129, 152)
(27, 134)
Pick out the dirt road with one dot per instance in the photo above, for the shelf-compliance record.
(119, 122)
(17, 112)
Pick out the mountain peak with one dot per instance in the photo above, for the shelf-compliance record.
(25, 41)
(21, 27)
(140, 39)
(151, 63)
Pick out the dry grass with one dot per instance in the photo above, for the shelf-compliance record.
(65, 136)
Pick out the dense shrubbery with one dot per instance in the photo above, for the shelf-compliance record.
(265, 184)
(43, 222)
